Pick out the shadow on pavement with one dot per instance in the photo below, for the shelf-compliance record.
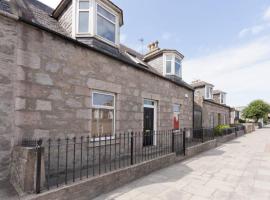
(156, 180)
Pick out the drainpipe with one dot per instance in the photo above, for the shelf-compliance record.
(193, 109)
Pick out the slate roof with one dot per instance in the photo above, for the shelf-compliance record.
(218, 92)
(213, 102)
(4, 6)
(38, 14)
(199, 83)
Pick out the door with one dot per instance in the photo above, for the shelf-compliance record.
(148, 126)
(197, 119)
(219, 119)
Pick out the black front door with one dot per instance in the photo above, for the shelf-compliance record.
(148, 138)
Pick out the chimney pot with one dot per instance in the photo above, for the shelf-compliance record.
(153, 46)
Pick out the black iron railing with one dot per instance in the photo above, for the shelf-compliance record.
(71, 159)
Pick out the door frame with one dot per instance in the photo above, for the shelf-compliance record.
(155, 116)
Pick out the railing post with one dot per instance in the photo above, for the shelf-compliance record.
(184, 141)
(38, 166)
(173, 139)
(131, 148)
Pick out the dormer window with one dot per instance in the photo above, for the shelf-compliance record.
(106, 24)
(96, 19)
(169, 64)
(178, 67)
(84, 17)
(208, 92)
(222, 98)
(172, 65)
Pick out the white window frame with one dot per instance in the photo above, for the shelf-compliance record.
(107, 108)
(90, 20)
(173, 61)
(155, 116)
(115, 23)
(180, 63)
(222, 98)
(208, 87)
(93, 13)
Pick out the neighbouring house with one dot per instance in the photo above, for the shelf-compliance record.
(235, 116)
(210, 107)
(63, 72)
(241, 109)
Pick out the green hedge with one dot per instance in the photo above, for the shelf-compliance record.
(220, 128)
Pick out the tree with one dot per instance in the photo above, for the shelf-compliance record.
(256, 110)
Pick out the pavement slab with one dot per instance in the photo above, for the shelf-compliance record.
(239, 169)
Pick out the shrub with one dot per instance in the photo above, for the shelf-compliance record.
(242, 121)
(220, 128)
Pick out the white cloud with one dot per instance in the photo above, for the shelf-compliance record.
(241, 71)
(266, 15)
(257, 28)
(254, 30)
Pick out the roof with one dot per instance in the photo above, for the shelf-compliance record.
(63, 4)
(213, 102)
(218, 92)
(4, 6)
(199, 84)
(124, 48)
(38, 14)
(158, 52)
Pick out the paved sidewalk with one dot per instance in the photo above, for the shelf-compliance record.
(237, 170)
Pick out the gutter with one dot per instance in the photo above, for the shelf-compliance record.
(205, 100)
(8, 15)
(98, 50)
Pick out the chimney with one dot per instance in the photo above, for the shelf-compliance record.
(153, 46)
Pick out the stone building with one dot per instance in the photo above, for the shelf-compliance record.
(63, 72)
(210, 107)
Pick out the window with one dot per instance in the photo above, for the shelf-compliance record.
(176, 116)
(97, 19)
(106, 24)
(223, 98)
(173, 65)
(149, 102)
(83, 16)
(212, 120)
(177, 67)
(103, 114)
(219, 119)
(225, 119)
(169, 64)
(208, 92)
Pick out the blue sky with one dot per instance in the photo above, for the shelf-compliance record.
(226, 43)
